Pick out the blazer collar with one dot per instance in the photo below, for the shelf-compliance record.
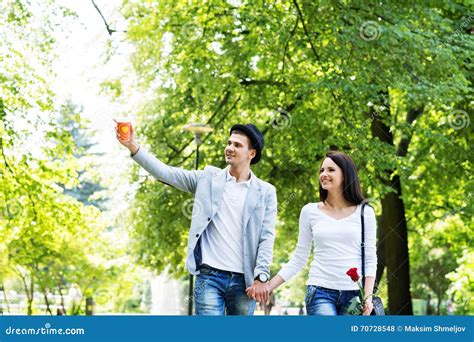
(252, 201)
(229, 177)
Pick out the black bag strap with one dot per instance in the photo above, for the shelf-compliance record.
(362, 246)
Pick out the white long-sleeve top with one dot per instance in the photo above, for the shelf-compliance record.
(336, 247)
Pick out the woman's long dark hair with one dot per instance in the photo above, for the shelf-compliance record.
(351, 190)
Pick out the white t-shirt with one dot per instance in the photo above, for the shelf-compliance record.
(222, 241)
(336, 247)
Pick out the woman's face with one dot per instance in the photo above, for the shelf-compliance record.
(330, 176)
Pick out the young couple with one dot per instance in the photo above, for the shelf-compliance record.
(230, 243)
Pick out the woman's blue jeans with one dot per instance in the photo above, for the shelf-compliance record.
(321, 301)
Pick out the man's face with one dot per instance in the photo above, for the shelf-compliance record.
(238, 151)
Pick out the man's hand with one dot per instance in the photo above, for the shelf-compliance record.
(131, 144)
(259, 291)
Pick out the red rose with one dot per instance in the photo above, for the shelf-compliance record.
(353, 274)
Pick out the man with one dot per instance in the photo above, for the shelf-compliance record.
(230, 242)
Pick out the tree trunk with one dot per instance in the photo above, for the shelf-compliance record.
(30, 297)
(60, 289)
(48, 309)
(393, 230)
(438, 307)
(5, 298)
(429, 312)
(89, 306)
(29, 293)
(396, 252)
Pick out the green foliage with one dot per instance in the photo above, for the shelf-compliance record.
(436, 255)
(462, 286)
(314, 75)
(310, 74)
(52, 234)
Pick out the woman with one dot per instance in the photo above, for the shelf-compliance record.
(334, 227)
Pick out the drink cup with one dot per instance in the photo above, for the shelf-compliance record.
(124, 128)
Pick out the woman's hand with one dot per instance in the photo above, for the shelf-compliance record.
(368, 307)
(265, 290)
(259, 291)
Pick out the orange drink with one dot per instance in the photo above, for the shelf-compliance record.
(124, 129)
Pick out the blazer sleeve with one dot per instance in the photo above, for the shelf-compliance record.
(267, 236)
(175, 176)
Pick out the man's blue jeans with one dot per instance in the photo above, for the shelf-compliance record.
(321, 301)
(219, 292)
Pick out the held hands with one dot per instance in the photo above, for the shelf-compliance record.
(259, 291)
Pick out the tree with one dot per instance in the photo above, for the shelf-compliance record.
(388, 84)
(89, 191)
(461, 287)
(48, 238)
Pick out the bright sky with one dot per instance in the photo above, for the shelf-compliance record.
(80, 69)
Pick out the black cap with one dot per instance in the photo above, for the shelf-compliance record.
(255, 136)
